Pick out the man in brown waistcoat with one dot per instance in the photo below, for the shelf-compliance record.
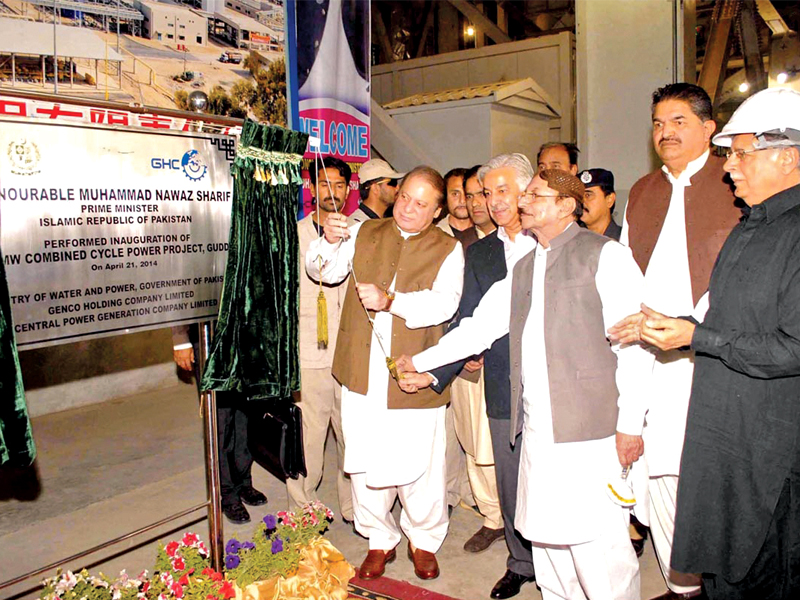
(676, 221)
(574, 396)
(405, 285)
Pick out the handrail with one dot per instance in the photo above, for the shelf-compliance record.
(103, 546)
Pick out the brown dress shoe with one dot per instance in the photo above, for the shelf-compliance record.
(374, 564)
(425, 565)
(483, 538)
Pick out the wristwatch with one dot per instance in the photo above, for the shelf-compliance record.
(390, 298)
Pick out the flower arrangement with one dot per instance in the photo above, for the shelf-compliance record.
(82, 586)
(275, 549)
(183, 571)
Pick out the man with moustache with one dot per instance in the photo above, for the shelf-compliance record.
(676, 221)
(457, 222)
(574, 396)
(320, 394)
(476, 203)
(558, 155)
(598, 202)
(406, 283)
(503, 178)
(737, 510)
(377, 189)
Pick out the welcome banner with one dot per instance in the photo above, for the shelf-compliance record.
(329, 82)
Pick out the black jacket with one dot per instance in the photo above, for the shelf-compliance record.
(484, 266)
(743, 428)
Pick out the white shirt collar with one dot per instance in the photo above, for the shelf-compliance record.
(690, 171)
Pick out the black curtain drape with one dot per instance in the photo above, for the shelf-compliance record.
(254, 350)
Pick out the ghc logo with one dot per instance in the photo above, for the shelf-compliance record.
(190, 163)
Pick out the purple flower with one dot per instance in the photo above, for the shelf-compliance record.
(277, 545)
(247, 545)
(233, 545)
(271, 522)
(232, 561)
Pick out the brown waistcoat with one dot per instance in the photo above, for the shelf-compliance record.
(380, 254)
(581, 366)
(710, 216)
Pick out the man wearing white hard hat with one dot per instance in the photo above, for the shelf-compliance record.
(378, 189)
(739, 494)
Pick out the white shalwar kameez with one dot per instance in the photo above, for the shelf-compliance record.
(398, 451)
(581, 547)
(668, 290)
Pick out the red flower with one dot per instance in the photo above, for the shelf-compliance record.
(146, 586)
(178, 564)
(171, 549)
(184, 580)
(226, 589)
(216, 576)
(177, 590)
(207, 571)
(190, 538)
(211, 597)
(190, 571)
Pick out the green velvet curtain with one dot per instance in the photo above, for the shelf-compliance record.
(16, 438)
(254, 350)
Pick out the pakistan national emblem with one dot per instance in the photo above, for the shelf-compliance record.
(24, 157)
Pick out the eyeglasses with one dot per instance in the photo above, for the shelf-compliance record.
(391, 183)
(539, 196)
(740, 154)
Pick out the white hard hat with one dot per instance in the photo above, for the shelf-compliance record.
(774, 110)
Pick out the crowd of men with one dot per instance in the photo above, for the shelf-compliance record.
(539, 348)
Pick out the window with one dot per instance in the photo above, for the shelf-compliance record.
(181, 37)
(181, 26)
(158, 36)
(170, 36)
(170, 24)
(199, 39)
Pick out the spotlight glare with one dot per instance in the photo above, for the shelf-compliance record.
(743, 87)
(470, 31)
(782, 77)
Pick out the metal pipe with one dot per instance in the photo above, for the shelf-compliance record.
(102, 546)
(209, 402)
(55, 52)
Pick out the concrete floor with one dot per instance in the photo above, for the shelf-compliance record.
(110, 468)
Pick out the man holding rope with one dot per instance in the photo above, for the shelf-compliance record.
(406, 284)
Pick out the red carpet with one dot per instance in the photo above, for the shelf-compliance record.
(384, 588)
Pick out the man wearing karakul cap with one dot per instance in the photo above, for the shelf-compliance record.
(580, 414)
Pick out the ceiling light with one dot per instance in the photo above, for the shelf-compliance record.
(743, 87)
(470, 31)
(782, 77)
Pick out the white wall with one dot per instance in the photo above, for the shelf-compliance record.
(624, 53)
(547, 59)
(456, 136)
(517, 131)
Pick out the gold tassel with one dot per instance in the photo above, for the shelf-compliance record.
(322, 320)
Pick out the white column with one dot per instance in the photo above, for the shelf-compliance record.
(625, 50)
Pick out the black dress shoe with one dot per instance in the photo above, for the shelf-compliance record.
(252, 497)
(236, 513)
(638, 546)
(509, 585)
